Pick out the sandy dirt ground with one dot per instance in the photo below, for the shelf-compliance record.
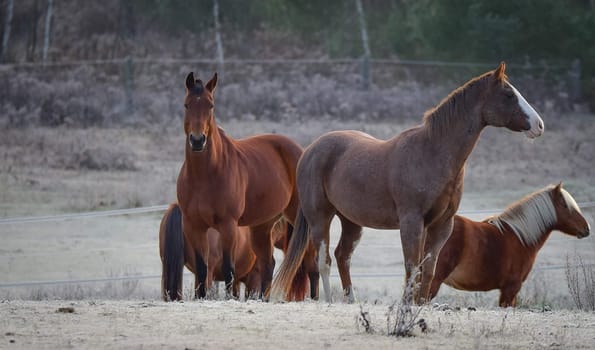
(257, 325)
(56, 171)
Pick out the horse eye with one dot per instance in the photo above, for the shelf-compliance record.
(509, 94)
(564, 205)
(186, 105)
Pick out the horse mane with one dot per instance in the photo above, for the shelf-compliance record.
(454, 106)
(531, 216)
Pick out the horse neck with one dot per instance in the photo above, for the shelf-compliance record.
(531, 248)
(456, 126)
(535, 247)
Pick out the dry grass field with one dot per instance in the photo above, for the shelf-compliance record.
(48, 171)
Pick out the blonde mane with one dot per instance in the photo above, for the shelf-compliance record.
(531, 216)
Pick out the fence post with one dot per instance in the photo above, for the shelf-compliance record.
(218, 42)
(367, 54)
(575, 81)
(47, 30)
(129, 85)
(7, 27)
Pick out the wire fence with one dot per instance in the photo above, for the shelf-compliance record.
(125, 90)
(189, 275)
(160, 208)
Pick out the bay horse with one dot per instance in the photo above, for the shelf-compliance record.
(226, 183)
(412, 181)
(499, 252)
(176, 253)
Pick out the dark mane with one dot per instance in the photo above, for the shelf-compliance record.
(455, 106)
(197, 89)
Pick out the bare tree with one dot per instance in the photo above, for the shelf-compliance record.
(365, 43)
(218, 38)
(7, 27)
(46, 34)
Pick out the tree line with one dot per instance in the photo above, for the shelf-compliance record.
(550, 31)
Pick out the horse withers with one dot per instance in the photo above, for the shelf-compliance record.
(412, 181)
(225, 183)
(499, 252)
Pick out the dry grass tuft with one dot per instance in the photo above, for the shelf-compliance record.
(580, 277)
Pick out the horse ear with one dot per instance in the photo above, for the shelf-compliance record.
(211, 84)
(559, 186)
(190, 83)
(499, 72)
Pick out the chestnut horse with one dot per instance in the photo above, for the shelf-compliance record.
(226, 183)
(499, 252)
(176, 253)
(413, 181)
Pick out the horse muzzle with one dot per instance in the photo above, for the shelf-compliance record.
(197, 143)
(584, 234)
(536, 127)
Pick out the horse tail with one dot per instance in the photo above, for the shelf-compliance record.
(291, 280)
(172, 254)
(299, 285)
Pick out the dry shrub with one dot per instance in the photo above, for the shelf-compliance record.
(580, 277)
(402, 317)
(98, 159)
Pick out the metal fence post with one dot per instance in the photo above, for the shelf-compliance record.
(366, 45)
(574, 74)
(129, 85)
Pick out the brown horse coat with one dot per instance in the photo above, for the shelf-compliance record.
(170, 233)
(226, 183)
(413, 181)
(486, 255)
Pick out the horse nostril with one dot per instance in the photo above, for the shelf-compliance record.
(540, 125)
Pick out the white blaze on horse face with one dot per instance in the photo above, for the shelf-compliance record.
(534, 118)
(570, 202)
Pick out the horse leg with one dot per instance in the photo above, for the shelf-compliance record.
(448, 259)
(320, 239)
(436, 237)
(262, 244)
(312, 268)
(228, 232)
(412, 232)
(440, 275)
(350, 236)
(508, 294)
(198, 240)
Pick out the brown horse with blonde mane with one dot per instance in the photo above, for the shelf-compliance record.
(413, 181)
(499, 252)
(172, 244)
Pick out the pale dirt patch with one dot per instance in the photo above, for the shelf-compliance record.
(257, 325)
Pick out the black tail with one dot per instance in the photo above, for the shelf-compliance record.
(173, 255)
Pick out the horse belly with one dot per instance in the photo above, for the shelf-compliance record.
(375, 211)
(471, 277)
(264, 203)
